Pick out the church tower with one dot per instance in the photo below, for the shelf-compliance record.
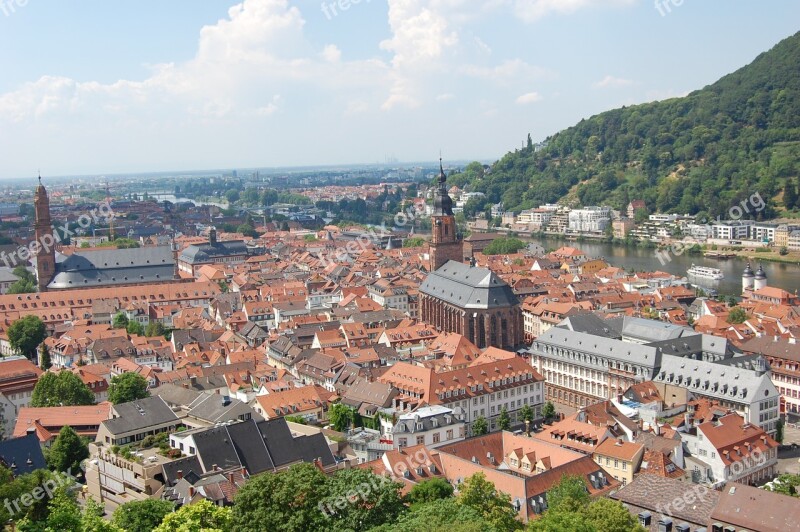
(46, 254)
(446, 243)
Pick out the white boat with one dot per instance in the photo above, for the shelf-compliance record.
(705, 272)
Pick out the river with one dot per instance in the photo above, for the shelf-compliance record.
(781, 275)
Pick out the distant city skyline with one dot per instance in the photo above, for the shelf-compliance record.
(134, 87)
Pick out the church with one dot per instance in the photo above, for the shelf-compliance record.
(94, 268)
(461, 298)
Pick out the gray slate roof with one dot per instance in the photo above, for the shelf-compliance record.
(202, 253)
(138, 415)
(467, 287)
(110, 267)
(718, 381)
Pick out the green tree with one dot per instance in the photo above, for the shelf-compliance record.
(562, 522)
(640, 216)
(737, 315)
(124, 243)
(44, 357)
(61, 389)
(13, 488)
(526, 413)
(430, 490)
(21, 287)
(202, 516)
(377, 500)
(127, 387)
(480, 426)
(437, 515)
(549, 410)
(142, 516)
(504, 421)
(504, 246)
(787, 484)
(26, 283)
(25, 335)
(414, 242)
(342, 417)
(495, 506)
(779, 431)
(120, 321)
(93, 521)
(64, 513)
(789, 195)
(568, 494)
(24, 274)
(247, 230)
(223, 286)
(284, 501)
(154, 328)
(610, 516)
(296, 419)
(134, 328)
(67, 452)
(232, 195)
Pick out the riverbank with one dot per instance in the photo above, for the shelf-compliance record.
(771, 256)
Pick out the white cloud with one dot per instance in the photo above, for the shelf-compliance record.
(611, 82)
(421, 36)
(271, 107)
(508, 71)
(331, 53)
(533, 10)
(445, 97)
(529, 97)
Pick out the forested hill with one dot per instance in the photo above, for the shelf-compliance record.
(698, 154)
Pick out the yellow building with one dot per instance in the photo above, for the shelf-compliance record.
(592, 266)
(620, 459)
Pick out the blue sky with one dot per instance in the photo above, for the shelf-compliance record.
(99, 87)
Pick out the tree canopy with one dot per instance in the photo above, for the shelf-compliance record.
(480, 426)
(127, 387)
(25, 335)
(504, 246)
(202, 516)
(430, 490)
(142, 516)
(63, 388)
(67, 452)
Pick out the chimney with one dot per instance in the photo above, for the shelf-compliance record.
(230, 477)
(212, 236)
(657, 427)
(180, 474)
(244, 472)
(191, 492)
(214, 467)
